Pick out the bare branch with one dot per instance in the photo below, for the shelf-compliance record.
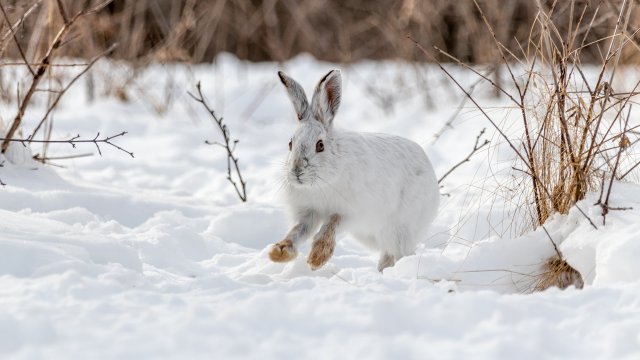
(46, 159)
(96, 8)
(531, 171)
(73, 141)
(621, 148)
(15, 39)
(449, 123)
(555, 247)
(228, 145)
(62, 11)
(475, 103)
(476, 148)
(55, 102)
(2, 165)
(20, 21)
(41, 70)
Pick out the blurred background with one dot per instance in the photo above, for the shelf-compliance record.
(332, 30)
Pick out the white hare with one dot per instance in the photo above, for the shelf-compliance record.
(380, 188)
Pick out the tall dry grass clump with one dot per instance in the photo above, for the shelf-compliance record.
(574, 131)
(575, 125)
(581, 128)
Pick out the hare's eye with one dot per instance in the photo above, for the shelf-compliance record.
(319, 146)
(290, 144)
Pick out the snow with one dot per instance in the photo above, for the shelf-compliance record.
(155, 257)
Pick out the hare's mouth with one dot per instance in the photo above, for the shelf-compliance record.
(297, 179)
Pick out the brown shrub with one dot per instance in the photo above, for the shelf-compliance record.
(331, 30)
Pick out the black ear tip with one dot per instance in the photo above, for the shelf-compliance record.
(335, 73)
(283, 77)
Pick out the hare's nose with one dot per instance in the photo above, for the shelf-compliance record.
(300, 163)
(297, 169)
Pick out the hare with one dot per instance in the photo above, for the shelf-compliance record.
(380, 188)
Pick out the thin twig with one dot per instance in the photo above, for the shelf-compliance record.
(15, 39)
(602, 183)
(76, 140)
(555, 247)
(533, 175)
(63, 12)
(621, 177)
(2, 165)
(40, 71)
(20, 21)
(468, 67)
(605, 204)
(476, 148)
(46, 159)
(463, 101)
(229, 145)
(473, 100)
(21, 63)
(60, 93)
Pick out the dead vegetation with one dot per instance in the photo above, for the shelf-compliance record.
(234, 176)
(276, 30)
(575, 132)
(557, 273)
(37, 64)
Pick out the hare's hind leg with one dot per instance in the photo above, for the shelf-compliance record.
(324, 243)
(287, 248)
(386, 260)
(397, 244)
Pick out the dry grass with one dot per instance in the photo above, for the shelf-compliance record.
(332, 30)
(39, 69)
(557, 273)
(575, 125)
(576, 133)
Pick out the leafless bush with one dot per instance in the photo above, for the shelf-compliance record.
(234, 176)
(575, 125)
(39, 68)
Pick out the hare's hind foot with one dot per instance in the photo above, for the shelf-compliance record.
(386, 260)
(283, 251)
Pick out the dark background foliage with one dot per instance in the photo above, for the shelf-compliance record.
(331, 30)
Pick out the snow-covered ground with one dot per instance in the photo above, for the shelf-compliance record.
(155, 257)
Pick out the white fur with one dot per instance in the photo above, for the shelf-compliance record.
(382, 186)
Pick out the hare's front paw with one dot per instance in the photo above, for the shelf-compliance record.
(321, 252)
(283, 251)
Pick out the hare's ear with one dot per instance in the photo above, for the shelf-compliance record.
(326, 98)
(297, 96)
